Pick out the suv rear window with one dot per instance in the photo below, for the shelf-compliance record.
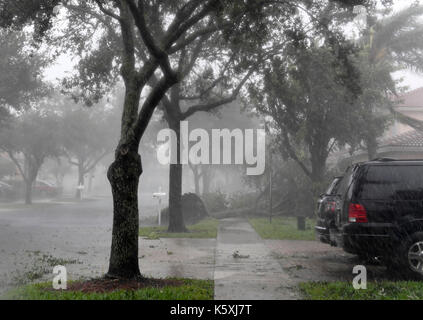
(390, 182)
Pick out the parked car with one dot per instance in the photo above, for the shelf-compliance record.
(380, 213)
(40, 188)
(325, 211)
(6, 191)
(45, 189)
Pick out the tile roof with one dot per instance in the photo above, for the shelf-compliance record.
(413, 98)
(411, 138)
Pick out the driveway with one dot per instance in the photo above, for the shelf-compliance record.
(314, 261)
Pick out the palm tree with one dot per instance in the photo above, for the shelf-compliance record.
(390, 44)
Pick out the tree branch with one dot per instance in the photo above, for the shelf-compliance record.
(293, 155)
(107, 11)
(96, 161)
(150, 104)
(194, 36)
(139, 16)
(18, 165)
(173, 36)
(215, 104)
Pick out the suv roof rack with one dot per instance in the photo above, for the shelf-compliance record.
(385, 159)
(394, 160)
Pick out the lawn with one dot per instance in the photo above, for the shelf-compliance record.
(282, 228)
(202, 230)
(383, 290)
(187, 290)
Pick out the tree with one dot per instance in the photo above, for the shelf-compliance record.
(88, 136)
(29, 140)
(180, 106)
(20, 77)
(7, 168)
(311, 108)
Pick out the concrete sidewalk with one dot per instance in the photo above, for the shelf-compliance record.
(252, 273)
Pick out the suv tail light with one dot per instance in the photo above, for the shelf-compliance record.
(357, 213)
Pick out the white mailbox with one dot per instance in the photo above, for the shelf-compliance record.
(159, 195)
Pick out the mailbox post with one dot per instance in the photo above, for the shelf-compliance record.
(159, 195)
(80, 188)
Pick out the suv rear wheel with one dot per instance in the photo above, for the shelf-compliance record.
(415, 257)
(410, 261)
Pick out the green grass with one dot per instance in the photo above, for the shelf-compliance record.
(383, 290)
(202, 230)
(189, 290)
(282, 228)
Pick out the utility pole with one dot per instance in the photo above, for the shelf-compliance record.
(269, 156)
(270, 187)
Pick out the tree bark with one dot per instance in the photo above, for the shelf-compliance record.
(28, 191)
(206, 180)
(371, 144)
(123, 175)
(176, 218)
(301, 223)
(30, 176)
(196, 181)
(81, 181)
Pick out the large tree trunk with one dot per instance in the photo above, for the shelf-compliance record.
(301, 223)
(197, 182)
(31, 169)
(197, 176)
(123, 175)
(81, 181)
(28, 191)
(176, 218)
(206, 180)
(371, 144)
(318, 158)
(90, 181)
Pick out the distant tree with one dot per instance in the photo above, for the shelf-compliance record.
(180, 106)
(20, 77)
(28, 141)
(88, 136)
(7, 168)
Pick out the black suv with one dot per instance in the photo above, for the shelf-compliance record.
(380, 212)
(325, 211)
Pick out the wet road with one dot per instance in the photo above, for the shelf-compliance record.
(78, 235)
(34, 239)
